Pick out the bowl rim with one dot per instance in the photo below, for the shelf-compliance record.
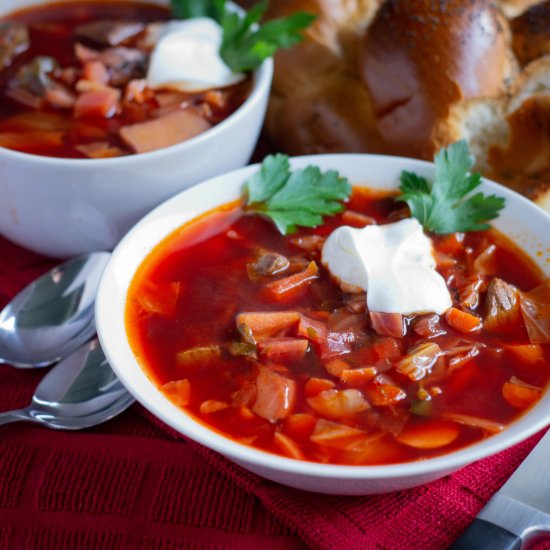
(261, 84)
(191, 427)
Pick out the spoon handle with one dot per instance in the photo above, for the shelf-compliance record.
(14, 416)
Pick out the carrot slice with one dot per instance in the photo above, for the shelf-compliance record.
(299, 426)
(358, 377)
(430, 434)
(312, 329)
(264, 324)
(336, 366)
(519, 396)
(462, 321)
(283, 349)
(275, 395)
(291, 287)
(527, 353)
(178, 391)
(314, 386)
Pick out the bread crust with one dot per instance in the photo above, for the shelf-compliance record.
(531, 33)
(421, 57)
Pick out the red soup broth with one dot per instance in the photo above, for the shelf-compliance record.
(317, 382)
(66, 113)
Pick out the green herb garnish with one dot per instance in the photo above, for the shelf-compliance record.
(446, 205)
(298, 198)
(189, 9)
(246, 43)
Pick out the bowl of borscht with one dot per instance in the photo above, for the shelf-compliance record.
(109, 108)
(344, 324)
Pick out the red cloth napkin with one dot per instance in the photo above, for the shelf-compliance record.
(135, 483)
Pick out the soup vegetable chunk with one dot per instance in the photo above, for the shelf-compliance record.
(245, 324)
(108, 79)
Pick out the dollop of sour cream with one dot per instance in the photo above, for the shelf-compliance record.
(392, 263)
(186, 57)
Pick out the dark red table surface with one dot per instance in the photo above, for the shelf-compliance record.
(134, 483)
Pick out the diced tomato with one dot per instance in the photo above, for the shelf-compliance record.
(299, 426)
(429, 434)
(275, 395)
(388, 324)
(270, 323)
(338, 403)
(462, 321)
(283, 349)
(519, 396)
(293, 286)
(178, 391)
(101, 103)
(314, 386)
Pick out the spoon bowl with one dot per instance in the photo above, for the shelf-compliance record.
(52, 316)
(79, 392)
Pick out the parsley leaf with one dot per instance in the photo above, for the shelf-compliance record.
(246, 43)
(446, 204)
(188, 9)
(292, 199)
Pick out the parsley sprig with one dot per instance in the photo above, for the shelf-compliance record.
(295, 198)
(447, 204)
(246, 43)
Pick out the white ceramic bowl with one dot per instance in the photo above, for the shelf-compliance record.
(65, 207)
(521, 220)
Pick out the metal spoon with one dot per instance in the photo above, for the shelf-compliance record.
(79, 392)
(52, 316)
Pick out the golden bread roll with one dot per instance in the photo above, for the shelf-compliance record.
(531, 33)
(510, 135)
(512, 8)
(318, 103)
(419, 58)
